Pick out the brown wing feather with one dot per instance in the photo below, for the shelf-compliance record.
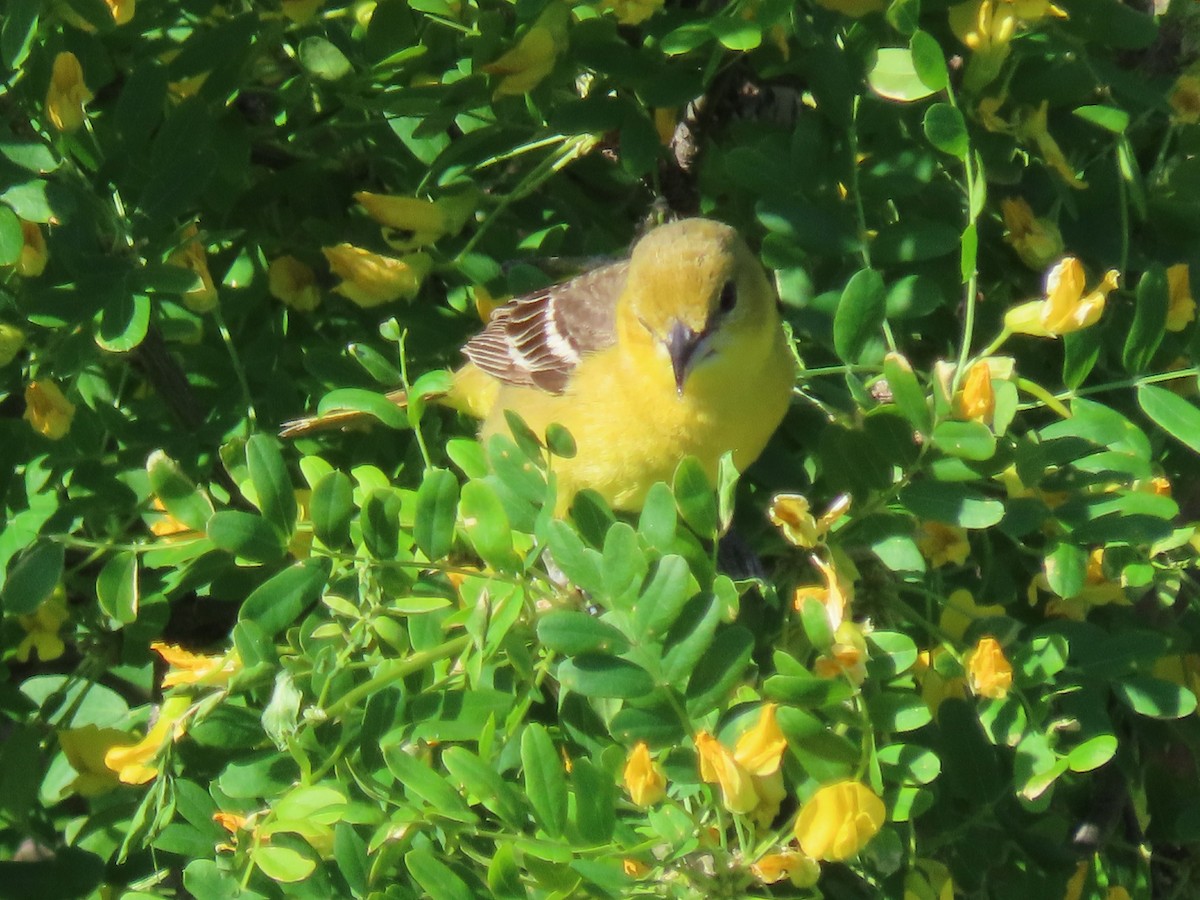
(537, 340)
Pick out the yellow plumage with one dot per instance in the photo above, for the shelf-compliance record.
(679, 351)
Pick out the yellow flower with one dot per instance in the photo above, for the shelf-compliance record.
(231, 822)
(122, 10)
(836, 595)
(523, 67)
(133, 763)
(191, 256)
(1038, 242)
(718, 766)
(977, 400)
(294, 283)
(839, 820)
(1098, 590)
(943, 544)
(988, 113)
(34, 255)
(12, 339)
(938, 685)
(847, 657)
(760, 750)
(928, 880)
(85, 748)
(369, 279)
(47, 410)
(803, 871)
(633, 12)
(1074, 889)
(485, 303)
(41, 629)
(790, 513)
(666, 120)
(301, 11)
(1181, 669)
(412, 222)
(984, 25)
(191, 668)
(643, 779)
(67, 94)
(1065, 308)
(961, 610)
(989, 672)
(1185, 99)
(854, 8)
(634, 868)
(1033, 127)
(1181, 308)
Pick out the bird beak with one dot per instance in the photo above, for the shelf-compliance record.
(681, 345)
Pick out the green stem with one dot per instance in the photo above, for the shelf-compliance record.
(864, 245)
(1032, 387)
(238, 370)
(392, 671)
(990, 349)
(964, 351)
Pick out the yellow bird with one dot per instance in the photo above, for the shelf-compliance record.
(678, 350)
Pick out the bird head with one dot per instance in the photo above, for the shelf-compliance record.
(694, 289)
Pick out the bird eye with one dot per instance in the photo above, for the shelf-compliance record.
(728, 298)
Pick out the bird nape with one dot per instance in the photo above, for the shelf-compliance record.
(679, 350)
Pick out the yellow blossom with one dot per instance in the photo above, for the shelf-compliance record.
(134, 763)
(847, 657)
(369, 279)
(1182, 669)
(523, 67)
(643, 779)
(67, 95)
(960, 610)
(1037, 241)
(666, 120)
(301, 541)
(485, 303)
(790, 513)
(1185, 99)
(12, 339)
(977, 400)
(1181, 308)
(411, 222)
(41, 629)
(943, 544)
(839, 820)
(192, 668)
(300, 11)
(84, 748)
(988, 113)
(634, 868)
(34, 254)
(984, 25)
(989, 672)
(937, 684)
(1066, 307)
(835, 596)
(718, 766)
(760, 750)
(122, 10)
(1075, 884)
(800, 869)
(928, 880)
(231, 822)
(1098, 590)
(1033, 127)
(633, 12)
(294, 283)
(47, 410)
(191, 256)
(853, 8)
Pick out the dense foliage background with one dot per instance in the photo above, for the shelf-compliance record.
(974, 676)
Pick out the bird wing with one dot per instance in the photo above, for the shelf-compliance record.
(538, 339)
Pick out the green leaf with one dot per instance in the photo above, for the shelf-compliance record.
(33, 578)
(965, 440)
(282, 863)
(181, 498)
(369, 403)
(276, 603)
(545, 782)
(735, 33)
(483, 784)
(895, 76)
(911, 762)
(486, 525)
(1110, 118)
(418, 779)
(1149, 320)
(1066, 569)
(1092, 753)
(892, 653)
(323, 60)
(1155, 698)
(601, 675)
(907, 393)
(1173, 414)
(695, 499)
(16, 37)
(123, 322)
(955, 504)
(117, 587)
(664, 597)
(929, 62)
(896, 712)
(332, 508)
(595, 801)
(572, 633)
(437, 507)
(860, 314)
(560, 442)
(719, 670)
(246, 535)
(272, 485)
(11, 238)
(946, 130)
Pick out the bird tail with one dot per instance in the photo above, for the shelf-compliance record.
(344, 418)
